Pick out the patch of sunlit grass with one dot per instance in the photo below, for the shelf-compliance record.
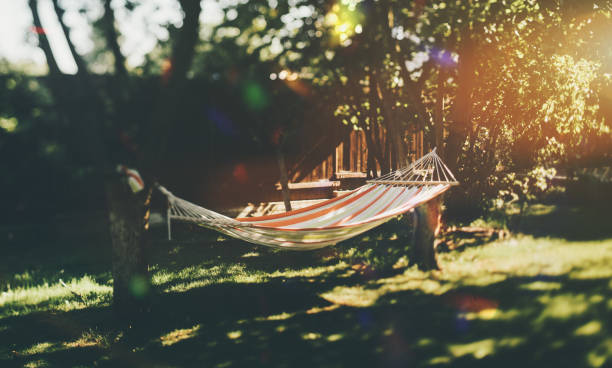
(39, 348)
(563, 306)
(315, 310)
(353, 296)
(491, 314)
(275, 317)
(311, 336)
(482, 348)
(233, 335)
(528, 257)
(601, 354)
(478, 349)
(335, 337)
(178, 335)
(541, 285)
(309, 271)
(590, 328)
(280, 328)
(39, 363)
(201, 276)
(19, 300)
(250, 254)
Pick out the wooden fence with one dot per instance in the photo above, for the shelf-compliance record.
(349, 158)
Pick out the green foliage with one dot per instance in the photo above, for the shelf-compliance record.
(518, 84)
(524, 189)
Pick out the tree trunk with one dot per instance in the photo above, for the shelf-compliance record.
(426, 227)
(127, 212)
(174, 80)
(77, 58)
(284, 180)
(382, 154)
(42, 39)
(371, 161)
(111, 36)
(462, 106)
(439, 112)
(376, 139)
(128, 216)
(184, 49)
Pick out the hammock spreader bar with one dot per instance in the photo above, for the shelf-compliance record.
(331, 221)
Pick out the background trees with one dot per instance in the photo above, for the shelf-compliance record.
(507, 91)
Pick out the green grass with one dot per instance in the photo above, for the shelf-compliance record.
(542, 297)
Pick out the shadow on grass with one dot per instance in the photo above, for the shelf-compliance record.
(227, 304)
(532, 321)
(563, 221)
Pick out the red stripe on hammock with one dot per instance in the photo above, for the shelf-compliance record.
(346, 219)
(316, 214)
(294, 212)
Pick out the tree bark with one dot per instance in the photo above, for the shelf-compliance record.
(439, 112)
(184, 49)
(180, 62)
(372, 171)
(42, 39)
(426, 227)
(284, 180)
(128, 216)
(462, 107)
(127, 212)
(111, 36)
(376, 139)
(82, 68)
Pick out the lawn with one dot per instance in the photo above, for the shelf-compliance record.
(540, 297)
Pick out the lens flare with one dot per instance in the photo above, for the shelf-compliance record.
(240, 173)
(221, 121)
(254, 96)
(345, 20)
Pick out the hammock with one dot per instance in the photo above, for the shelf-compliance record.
(331, 221)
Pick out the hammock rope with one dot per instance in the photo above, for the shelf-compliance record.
(331, 221)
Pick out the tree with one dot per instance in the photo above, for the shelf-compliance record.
(59, 12)
(43, 42)
(128, 212)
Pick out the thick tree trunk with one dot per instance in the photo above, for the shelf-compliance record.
(127, 212)
(184, 48)
(42, 39)
(426, 227)
(174, 80)
(128, 216)
(284, 180)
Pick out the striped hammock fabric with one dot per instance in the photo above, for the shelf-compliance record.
(328, 222)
